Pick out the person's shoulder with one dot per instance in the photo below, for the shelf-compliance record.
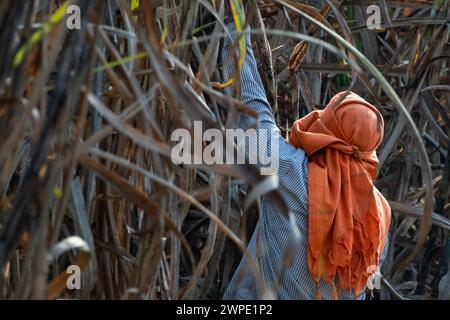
(293, 161)
(291, 154)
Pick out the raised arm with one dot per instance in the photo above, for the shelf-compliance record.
(254, 95)
(252, 89)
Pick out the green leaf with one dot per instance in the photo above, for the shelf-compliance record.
(119, 62)
(37, 36)
(239, 20)
(134, 4)
(58, 192)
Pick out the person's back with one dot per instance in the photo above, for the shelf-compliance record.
(275, 230)
(279, 244)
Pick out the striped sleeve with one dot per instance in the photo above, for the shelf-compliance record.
(253, 95)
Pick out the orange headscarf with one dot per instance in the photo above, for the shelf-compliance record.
(348, 217)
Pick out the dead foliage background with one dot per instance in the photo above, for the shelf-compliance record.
(86, 117)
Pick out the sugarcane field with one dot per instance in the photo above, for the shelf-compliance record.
(208, 150)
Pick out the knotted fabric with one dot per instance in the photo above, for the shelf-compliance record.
(348, 217)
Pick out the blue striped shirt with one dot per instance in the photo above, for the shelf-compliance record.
(274, 229)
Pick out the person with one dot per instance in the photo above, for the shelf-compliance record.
(326, 173)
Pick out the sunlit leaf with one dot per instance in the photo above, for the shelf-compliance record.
(36, 37)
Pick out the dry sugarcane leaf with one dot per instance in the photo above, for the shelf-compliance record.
(297, 56)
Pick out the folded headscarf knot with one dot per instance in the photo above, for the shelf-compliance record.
(356, 152)
(348, 218)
